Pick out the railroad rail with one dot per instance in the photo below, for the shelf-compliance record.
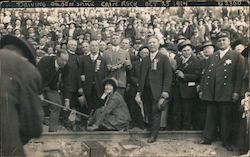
(116, 135)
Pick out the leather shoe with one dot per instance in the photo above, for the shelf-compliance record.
(92, 128)
(151, 139)
(204, 141)
(228, 147)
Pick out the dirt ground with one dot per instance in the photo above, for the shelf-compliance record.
(140, 148)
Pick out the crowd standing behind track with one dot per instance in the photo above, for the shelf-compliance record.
(171, 66)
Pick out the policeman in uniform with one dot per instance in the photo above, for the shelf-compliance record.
(220, 88)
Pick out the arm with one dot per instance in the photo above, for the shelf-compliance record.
(167, 80)
(112, 103)
(194, 76)
(240, 69)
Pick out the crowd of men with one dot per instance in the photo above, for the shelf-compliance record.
(187, 72)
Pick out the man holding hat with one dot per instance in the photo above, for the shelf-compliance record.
(187, 74)
(20, 107)
(154, 85)
(220, 88)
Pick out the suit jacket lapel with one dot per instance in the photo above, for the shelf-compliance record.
(217, 58)
(190, 60)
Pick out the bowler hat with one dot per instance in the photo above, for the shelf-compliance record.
(112, 81)
(72, 22)
(206, 43)
(236, 43)
(184, 44)
(180, 37)
(27, 49)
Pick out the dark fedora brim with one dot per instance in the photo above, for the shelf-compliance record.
(181, 47)
(206, 45)
(27, 49)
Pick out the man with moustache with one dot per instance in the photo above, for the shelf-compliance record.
(93, 72)
(154, 85)
(51, 69)
(220, 88)
(118, 61)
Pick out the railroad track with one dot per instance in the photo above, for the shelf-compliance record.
(116, 135)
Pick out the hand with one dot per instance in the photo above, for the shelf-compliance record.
(41, 97)
(119, 66)
(80, 91)
(165, 95)
(110, 68)
(179, 73)
(82, 100)
(138, 98)
(200, 95)
(66, 104)
(198, 88)
(235, 97)
(161, 105)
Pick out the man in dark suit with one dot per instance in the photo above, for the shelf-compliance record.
(132, 86)
(220, 87)
(93, 72)
(72, 78)
(154, 85)
(187, 75)
(51, 69)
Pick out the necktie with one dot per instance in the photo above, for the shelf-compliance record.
(59, 82)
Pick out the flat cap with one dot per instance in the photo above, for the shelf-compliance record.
(206, 43)
(222, 35)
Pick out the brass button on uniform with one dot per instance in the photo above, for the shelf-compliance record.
(225, 70)
(225, 76)
(225, 84)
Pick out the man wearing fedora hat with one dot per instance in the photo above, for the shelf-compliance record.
(20, 86)
(220, 88)
(187, 75)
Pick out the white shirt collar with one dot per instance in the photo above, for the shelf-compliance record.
(185, 60)
(152, 55)
(115, 48)
(86, 54)
(94, 57)
(223, 52)
(71, 52)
